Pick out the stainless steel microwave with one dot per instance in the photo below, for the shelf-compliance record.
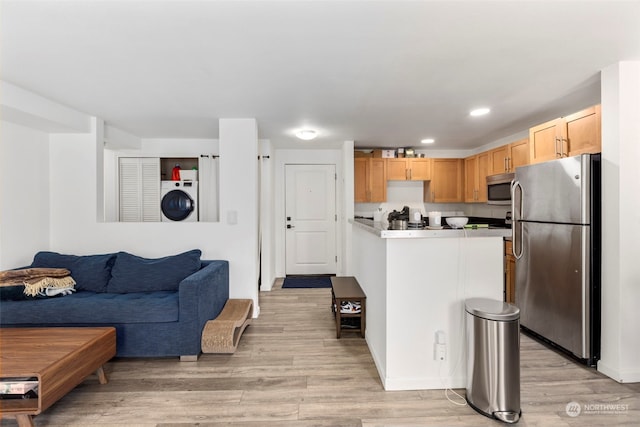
(499, 189)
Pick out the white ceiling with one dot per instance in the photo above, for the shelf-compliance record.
(381, 73)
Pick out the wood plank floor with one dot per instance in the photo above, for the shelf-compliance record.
(290, 370)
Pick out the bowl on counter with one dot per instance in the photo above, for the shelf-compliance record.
(457, 221)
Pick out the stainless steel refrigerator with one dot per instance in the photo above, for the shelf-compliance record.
(556, 242)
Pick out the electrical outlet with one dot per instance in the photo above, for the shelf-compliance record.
(440, 352)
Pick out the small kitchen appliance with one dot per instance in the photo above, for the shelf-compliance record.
(499, 189)
(399, 220)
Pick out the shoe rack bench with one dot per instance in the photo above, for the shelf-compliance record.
(347, 288)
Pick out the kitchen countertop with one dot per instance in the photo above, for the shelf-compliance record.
(381, 229)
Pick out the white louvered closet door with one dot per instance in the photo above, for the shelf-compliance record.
(139, 189)
(150, 189)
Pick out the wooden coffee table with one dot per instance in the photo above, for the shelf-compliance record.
(60, 358)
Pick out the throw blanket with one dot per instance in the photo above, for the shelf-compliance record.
(43, 281)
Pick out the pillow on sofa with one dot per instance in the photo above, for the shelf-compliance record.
(91, 272)
(131, 273)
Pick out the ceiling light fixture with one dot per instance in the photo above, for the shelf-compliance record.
(306, 134)
(479, 112)
(428, 141)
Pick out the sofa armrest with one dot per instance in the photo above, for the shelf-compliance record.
(203, 294)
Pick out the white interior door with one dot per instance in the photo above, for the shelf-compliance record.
(310, 219)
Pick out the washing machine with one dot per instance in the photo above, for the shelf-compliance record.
(179, 201)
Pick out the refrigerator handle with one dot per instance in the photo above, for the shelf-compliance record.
(516, 188)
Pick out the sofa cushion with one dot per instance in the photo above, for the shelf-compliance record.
(91, 272)
(94, 308)
(131, 273)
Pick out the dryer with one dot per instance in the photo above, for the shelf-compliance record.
(179, 201)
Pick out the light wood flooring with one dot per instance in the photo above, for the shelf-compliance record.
(290, 370)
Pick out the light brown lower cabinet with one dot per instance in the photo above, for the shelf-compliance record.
(509, 273)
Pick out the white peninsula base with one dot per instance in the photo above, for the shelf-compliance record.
(415, 287)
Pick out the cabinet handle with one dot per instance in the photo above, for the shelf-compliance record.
(558, 152)
(563, 152)
(409, 174)
(506, 165)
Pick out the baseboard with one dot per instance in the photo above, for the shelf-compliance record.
(618, 375)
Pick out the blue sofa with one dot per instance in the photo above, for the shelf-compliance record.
(158, 306)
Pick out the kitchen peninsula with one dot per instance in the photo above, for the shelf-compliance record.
(416, 282)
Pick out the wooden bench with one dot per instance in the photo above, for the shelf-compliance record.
(222, 334)
(347, 288)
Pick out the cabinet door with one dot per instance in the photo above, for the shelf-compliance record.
(498, 160)
(518, 154)
(470, 178)
(420, 169)
(397, 169)
(150, 174)
(139, 189)
(446, 181)
(583, 134)
(369, 179)
(545, 141)
(377, 180)
(360, 166)
(509, 274)
(482, 165)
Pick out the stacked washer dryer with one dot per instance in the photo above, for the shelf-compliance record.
(179, 201)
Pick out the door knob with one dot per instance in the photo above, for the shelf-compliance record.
(290, 226)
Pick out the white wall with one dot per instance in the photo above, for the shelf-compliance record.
(58, 205)
(24, 194)
(621, 222)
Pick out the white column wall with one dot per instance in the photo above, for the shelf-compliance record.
(24, 194)
(267, 205)
(621, 222)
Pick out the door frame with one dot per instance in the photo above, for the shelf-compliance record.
(307, 157)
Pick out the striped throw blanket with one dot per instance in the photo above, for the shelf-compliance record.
(40, 281)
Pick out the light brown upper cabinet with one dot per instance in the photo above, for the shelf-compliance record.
(567, 136)
(408, 169)
(508, 157)
(518, 154)
(476, 169)
(370, 179)
(446, 181)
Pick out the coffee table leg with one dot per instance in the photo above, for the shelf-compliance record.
(102, 377)
(24, 420)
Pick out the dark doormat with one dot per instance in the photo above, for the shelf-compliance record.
(307, 282)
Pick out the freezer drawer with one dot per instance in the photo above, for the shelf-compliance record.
(555, 191)
(553, 289)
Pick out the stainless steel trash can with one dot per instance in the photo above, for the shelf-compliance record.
(493, 358)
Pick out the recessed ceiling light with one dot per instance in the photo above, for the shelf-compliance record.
(479, 111)
(428, 141)
(306, 134)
